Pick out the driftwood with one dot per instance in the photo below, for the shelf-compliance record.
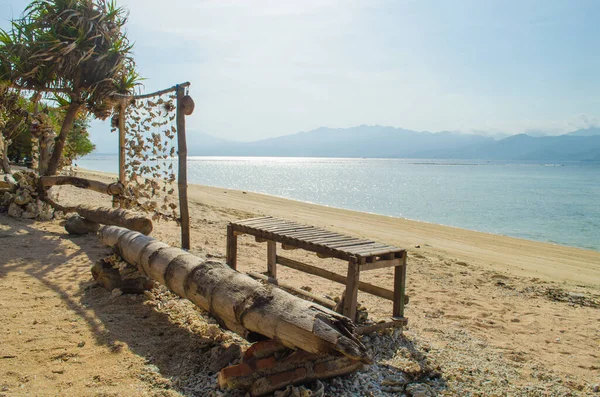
(108, 216)
(112, 189)
(267, 366)
(242, 304)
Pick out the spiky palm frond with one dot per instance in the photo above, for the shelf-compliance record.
(77, 47)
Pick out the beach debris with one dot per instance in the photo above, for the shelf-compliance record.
(324, 343)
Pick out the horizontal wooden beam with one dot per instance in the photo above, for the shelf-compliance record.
(381, 264)
(367, 329)
(338, 278)
(113, 189)
(328, 303)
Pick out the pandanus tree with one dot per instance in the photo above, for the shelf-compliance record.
(14, 116)
(76, 50)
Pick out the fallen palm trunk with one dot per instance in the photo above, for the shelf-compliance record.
(242, 304)
(112, 189)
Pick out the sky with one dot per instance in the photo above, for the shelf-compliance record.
(268, 68)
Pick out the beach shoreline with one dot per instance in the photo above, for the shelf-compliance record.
(520, 257)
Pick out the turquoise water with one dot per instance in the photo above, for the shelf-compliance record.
(557, 203)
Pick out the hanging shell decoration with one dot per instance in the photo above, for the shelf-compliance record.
(150, 129)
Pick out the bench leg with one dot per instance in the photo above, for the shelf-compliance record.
(272, 258)
(231, 258)
(399, 288)
(351, 294)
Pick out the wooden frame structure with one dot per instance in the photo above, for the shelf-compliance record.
(362, 255)
(180, 90)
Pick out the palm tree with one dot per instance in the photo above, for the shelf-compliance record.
(75, 49)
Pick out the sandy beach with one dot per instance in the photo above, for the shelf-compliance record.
(488, 314)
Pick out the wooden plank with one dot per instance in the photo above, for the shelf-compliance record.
(367, 329)
(337, 239)
(328, 303)
(399, 288)
(266, 223)
(381, 264)
(231, 256)
(351, 294)
(341, 240)
(306, 233)
(363, 251)
(317, 236)
(338, 278)
(249, 220)
(376, 251)
(295, 229)
(298, 243)
(288, 247)
(350, 244)
(272, 258)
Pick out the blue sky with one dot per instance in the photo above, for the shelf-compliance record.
(268, 68)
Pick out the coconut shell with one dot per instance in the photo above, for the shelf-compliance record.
(187, 105)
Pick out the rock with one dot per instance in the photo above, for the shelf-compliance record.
(22, 198)
(7, 198)
(45, 211)
(15, 211)
(418, 390)
(596, 388)
(30, 211)
(77, 225)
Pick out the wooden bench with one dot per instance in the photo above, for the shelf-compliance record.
(361, 254)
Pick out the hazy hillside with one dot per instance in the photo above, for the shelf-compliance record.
(378, 141)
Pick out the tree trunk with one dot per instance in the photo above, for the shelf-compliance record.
(242, 304)
(108, 216)
(100, 187)
(4, 164)
(59, 144)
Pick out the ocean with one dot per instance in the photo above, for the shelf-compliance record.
(556, 203)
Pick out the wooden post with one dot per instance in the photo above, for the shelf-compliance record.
(122, 106)
(231, 258)
(351, 294)
(182, 174)
(272, 258)
(399, 288)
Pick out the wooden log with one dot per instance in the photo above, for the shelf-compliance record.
(240, 303)
(108, 216)
(328, 303)
(184, 213)
(267, 367)
(112, 189)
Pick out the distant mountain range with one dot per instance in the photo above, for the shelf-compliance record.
(389, 142)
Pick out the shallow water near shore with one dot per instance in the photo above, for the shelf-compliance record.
(556, 203)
